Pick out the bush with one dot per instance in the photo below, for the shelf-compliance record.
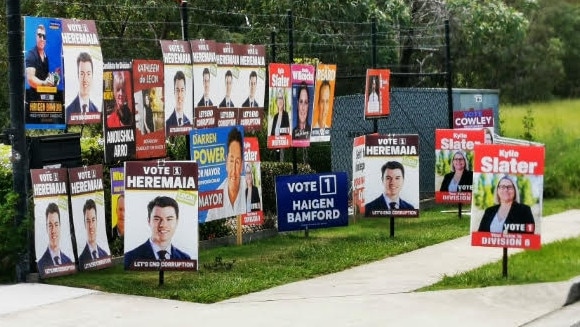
(269, 172)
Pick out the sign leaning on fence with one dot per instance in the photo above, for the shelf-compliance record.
(508, 184)
(88, 208)
(312, 201)
(52, 238)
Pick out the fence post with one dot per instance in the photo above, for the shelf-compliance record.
(449, 80)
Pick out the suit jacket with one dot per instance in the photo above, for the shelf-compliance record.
(46, 261)
(145, 252)
(466, 179)
(223, 104)
(86, 255)
(518, 214)
(284, 124)
(247, 103)
(172, 121)
(75, 108)
(255, 198)
(201, 102)
(149, 118)
(380, 204)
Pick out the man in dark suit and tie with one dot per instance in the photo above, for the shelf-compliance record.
(251, 100)
(53, 256)
(178, 117)
(392, 177)
(92, 250)
(227, 101)
(82, 104)
(205, 101)
(162, 216)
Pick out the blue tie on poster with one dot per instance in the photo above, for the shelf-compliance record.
(313, 201)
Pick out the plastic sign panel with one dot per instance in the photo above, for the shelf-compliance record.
(88, 208)
(44, 78)
(312, 201)
(204, 68)
(220, 158)
(161, 222)
(302, 103)
(178, 92)
(508, 182)
(148, 78)
(390, 165)
(83, 70)
(377, 93)
(473, 118)
(454, 163)
(254, 214)
(279, 110)
(117, 201)
(53, 245)
(323, 103)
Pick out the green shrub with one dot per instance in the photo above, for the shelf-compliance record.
(269, 172)
(13, 237)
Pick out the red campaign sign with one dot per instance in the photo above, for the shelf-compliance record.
(508, 177)
(279, 111)
(377, 93)
(509, 159)
(451, 143)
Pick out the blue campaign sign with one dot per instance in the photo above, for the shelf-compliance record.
(313, 201)
(219, 155)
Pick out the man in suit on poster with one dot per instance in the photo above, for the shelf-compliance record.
(162, 217)
(251, 100)
(205, 101)
(92, 250)
(82, 103)
(178, 117)
(393, 178)
(227, 101)
(53, 256)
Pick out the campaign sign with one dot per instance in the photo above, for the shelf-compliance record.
(506, 210)
(219, 155)
(454, 163)
(313, 201)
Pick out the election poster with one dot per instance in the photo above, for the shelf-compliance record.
(227, 57)
(302, 103)
(377, 93)
(148, 78)
(280, 107)
(178, 72)
(358, 173)
(220, 158)
(204, 73)
(508, 182)
(83, 72)
(252, 63)
(161, 221)
(312, 201)
(44, 74)
(323, 103)
(117, 201)
(118, 113)
(391, 170)
(473, 118)
(454, 163)
(254, 214)
(52, 238)
(88, 211)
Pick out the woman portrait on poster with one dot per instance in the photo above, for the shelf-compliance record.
(373, 99)
(281, 120)
(508, 215)
(488, 135)
(460, 179)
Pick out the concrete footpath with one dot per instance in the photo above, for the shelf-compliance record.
(376, 294)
